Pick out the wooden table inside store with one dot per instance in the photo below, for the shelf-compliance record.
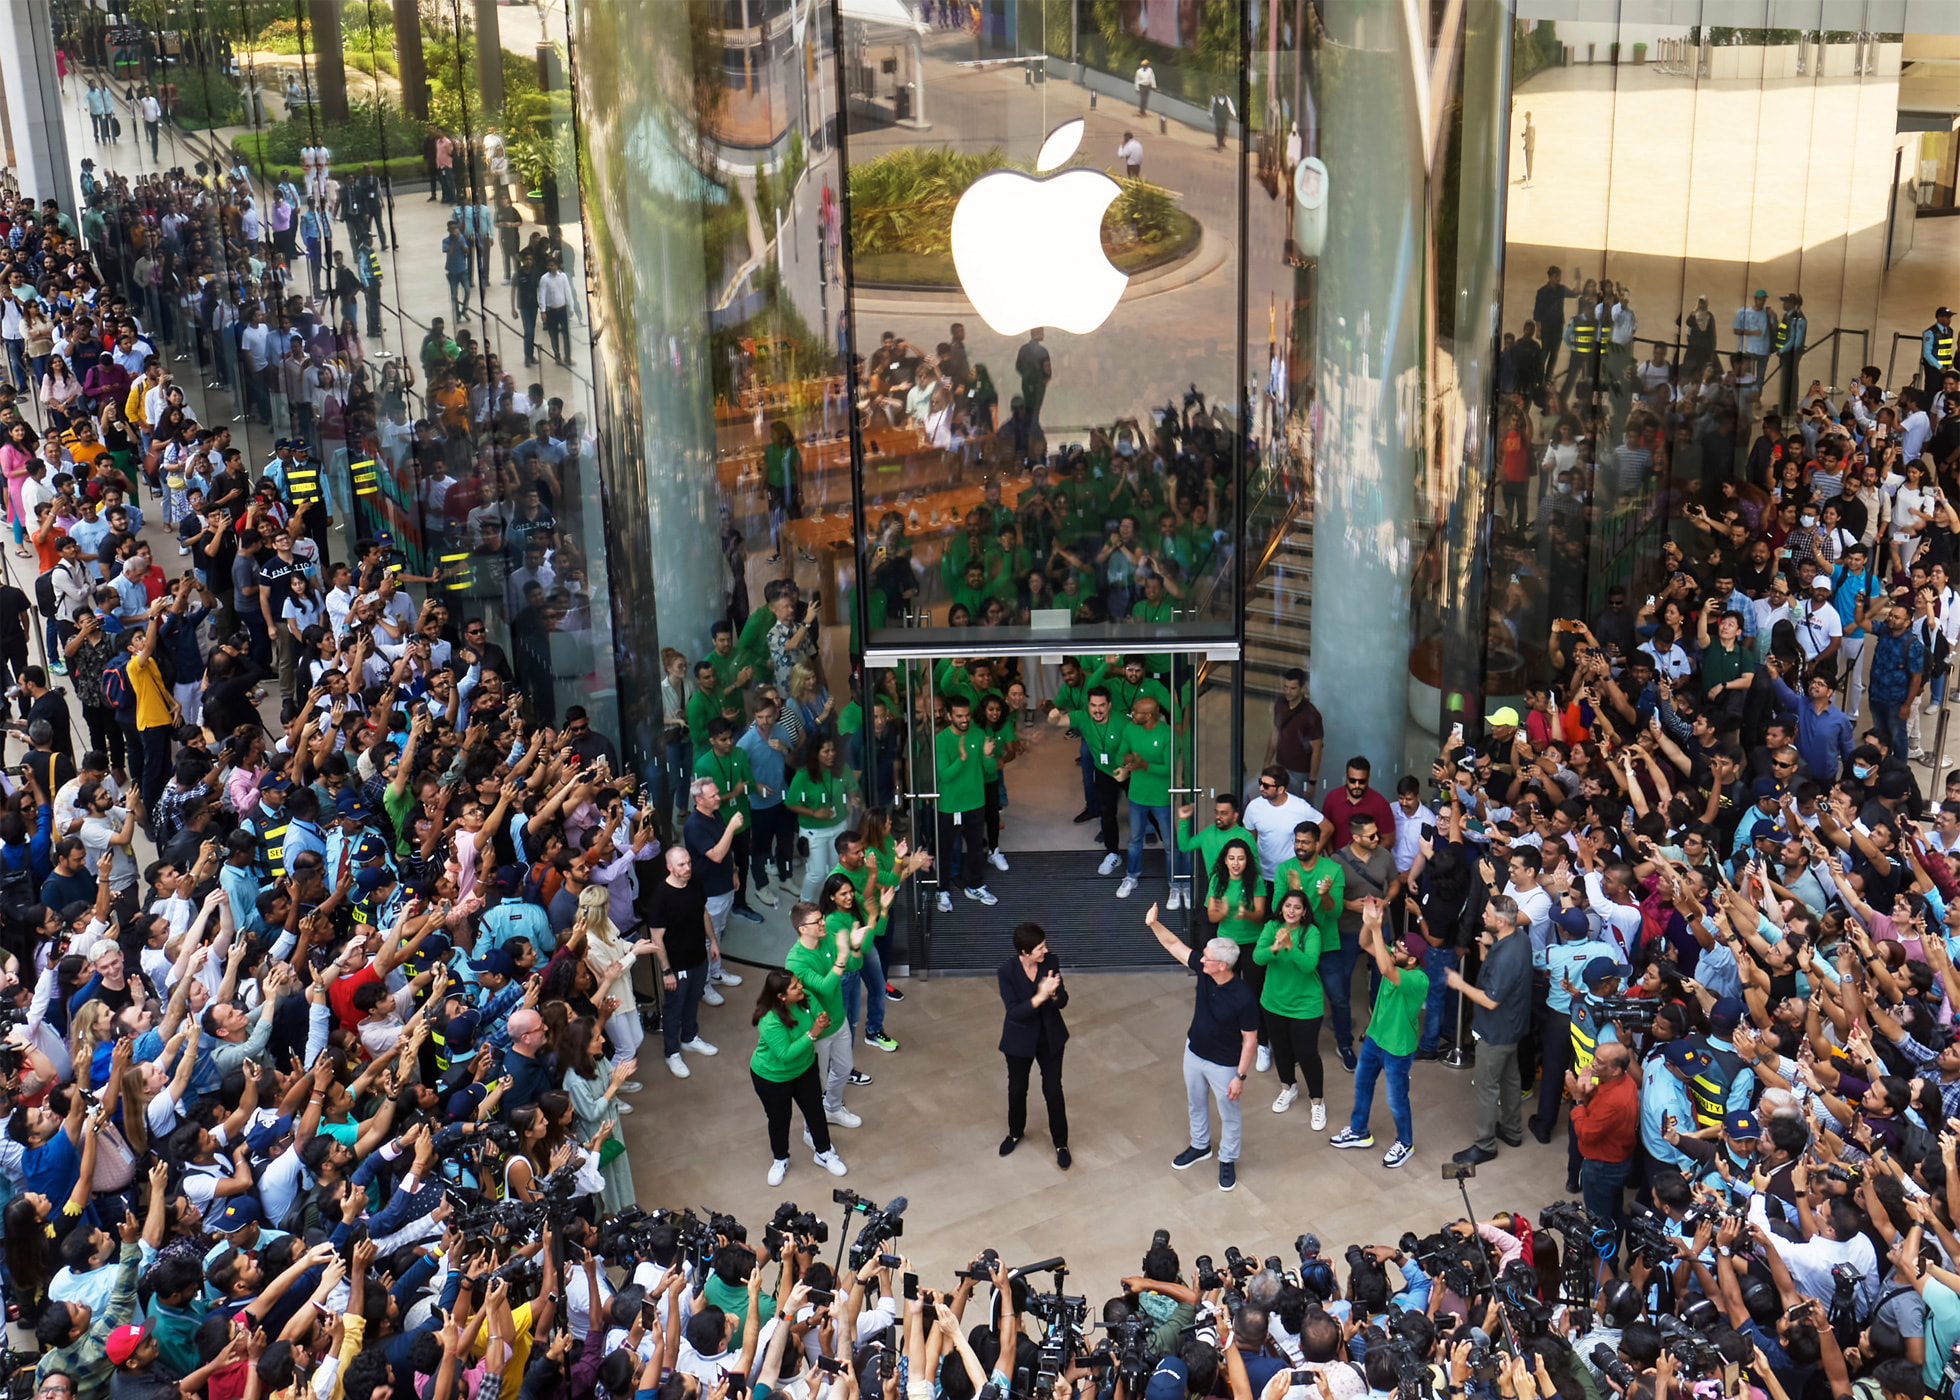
(902, 472)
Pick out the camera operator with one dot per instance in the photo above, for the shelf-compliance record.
(1160, 1294)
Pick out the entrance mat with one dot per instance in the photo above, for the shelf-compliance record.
(1088, 926)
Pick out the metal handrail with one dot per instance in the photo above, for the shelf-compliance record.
(1892, 358)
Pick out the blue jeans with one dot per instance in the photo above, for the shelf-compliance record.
(1141, 817)
(1370, 1064)
(679, 1009)
(1440, 1006)
(869, 978)
(1603, 1188)
(1087, 765)
(1337, 982)
(1885, 719)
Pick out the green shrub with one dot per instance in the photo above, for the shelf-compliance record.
(206, 101)
(903, 200)
(372, 131)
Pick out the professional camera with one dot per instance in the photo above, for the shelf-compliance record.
(1694, 1353)
(1458, 1262)
(1126, 1350)
(793, 1223)
(1064, 1314)
(981, 1270)
(1412, 1378)
(1608, 1363)
(879, 1225)
(1208, 1276)
(1713, 1213)
(1849, 1176)
(1635, 1013)
(1647, 1235)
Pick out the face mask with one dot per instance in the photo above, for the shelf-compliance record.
(1809, 521)
(1565, 488)
(1860, 771)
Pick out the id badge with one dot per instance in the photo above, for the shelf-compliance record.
(1105, 760)
(956, 817)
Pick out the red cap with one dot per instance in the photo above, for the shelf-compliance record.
(123, 1342)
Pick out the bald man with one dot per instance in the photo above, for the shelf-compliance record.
(529, 1075)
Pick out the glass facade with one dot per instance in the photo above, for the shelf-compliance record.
(1215, 331)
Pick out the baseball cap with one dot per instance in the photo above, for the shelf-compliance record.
(1504, 715)
(1763, 787)
(1575, 923)
(497, 961)
(1820, 584)
(277, 782)
(123, 1342)
(263, 1135)
(239, 1212)
(352, 806)
(1683, 1056)
(1765, 832)
(1727, 1011)
(1310, 1246)
(1944, 311)
(460, 1031)
(369, 849)
(1167, 1382)
(1761, 292)
(1742, 1125)
(282, 444)
(1599, 969)
(368, 881)
(509, 877)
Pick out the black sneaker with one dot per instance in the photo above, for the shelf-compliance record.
(1347, 1058)
(858, 1076)
(892, 993)
(1228, 1175)
(1087, 814)
(1190, 1157)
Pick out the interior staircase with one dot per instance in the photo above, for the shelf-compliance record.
(1279, 605)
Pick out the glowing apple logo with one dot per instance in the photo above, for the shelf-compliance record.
(1029, 251)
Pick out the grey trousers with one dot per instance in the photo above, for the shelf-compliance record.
(1499, 1097)
(834, 1066)
(1204, 1079)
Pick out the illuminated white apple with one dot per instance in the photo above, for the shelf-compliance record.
(1029, 251)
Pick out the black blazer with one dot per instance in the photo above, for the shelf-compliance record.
(1025, 1021)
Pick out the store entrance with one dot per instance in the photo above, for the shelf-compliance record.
(1034, 813)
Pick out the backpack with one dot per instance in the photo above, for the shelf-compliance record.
(44, 597)
(115, 684)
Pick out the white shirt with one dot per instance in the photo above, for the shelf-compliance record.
(1915, 430)
(1816, 629)
(1536, 906)
(1620, 922)
(1408, 834)
(1273, 824)
(1130, 152)
(554, 291)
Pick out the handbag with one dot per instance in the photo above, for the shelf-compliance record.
(115, 1163)
(610, 1151)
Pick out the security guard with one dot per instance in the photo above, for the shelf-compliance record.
(1792, 331)
(367, 266)
(1587, 334)
(1725, 1084)
(267, 823)
(374, 893)
(305, 494)
(1936, 348)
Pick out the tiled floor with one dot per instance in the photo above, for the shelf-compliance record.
(935, 1115)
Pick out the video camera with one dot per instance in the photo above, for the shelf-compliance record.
(1647, 1236)
(1458, 1262)
(790, 1222)
(1126, 1351)
(1635, 1013)
(881, 1223)
(1065, 1316)
(1692, 1351)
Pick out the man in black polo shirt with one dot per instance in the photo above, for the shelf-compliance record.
(1502, 997)
(276, 572)
(1218, 1049)
(710, 840)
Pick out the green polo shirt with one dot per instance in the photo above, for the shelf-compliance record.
(728, 773)
(1291, 875)
(813, 966)
(1210, 842)
(962, 784)
(1292, 974)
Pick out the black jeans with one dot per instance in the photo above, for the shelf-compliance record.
(156, 762)
(1108, 790)
(772, 833)
(969, 836)
(1554, 1059)
(1018, 1069)
(806, 1092)
(1255, 979)
(105, 735)
(1296, 1040)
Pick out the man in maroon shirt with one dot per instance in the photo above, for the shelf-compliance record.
(1297, 734)
(1353, 798)
(1606, 1127)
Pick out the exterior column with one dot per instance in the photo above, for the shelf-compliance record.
(1368, 379)
(36, 137)
(329, 66)
(489, 59)
(408, 57)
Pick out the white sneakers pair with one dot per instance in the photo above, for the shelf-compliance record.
(829, 1161)
(678, 1066)
(1288, 1094)
(1173, 900)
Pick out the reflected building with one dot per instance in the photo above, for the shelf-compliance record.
(1340, 419)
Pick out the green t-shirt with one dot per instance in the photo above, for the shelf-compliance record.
(1398, 1011)
(860, 879)
(703, 709)
(816, 790)
(1211, 841)
(400, 806)
(752, 646)
(1240, 923)
(733, 1299)
(816, 968)
(850, 719)
(1150, 786)
(1102, 739)
(962, 786)
(1719, 666)
(1123, 696)
(729, 773)
(838, 924)
(782, 1052)
(1292, 974)
(1291, 875)
(1002, 737)
(727, 668)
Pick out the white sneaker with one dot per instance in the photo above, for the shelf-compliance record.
(997, 860)
(944, 903)
(983, 894)
(678, 1066)
(1175, 899)
(631, 1086)
(1111, 863)
(1915, 754)
(831, 1162)
(777, 1170)
(1319, 1121)
(698, 1046)
(842, 1117)
(809, 1141)
(726, 978)
(622, 1106)
(768, 897)
(1287, 1094)
(711, 997)
(1265, 1060)
(1127, 888)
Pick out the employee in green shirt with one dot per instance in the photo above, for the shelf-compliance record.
(1390, 1045)
(816, 795)
(1073, 694)
(959, 753)
(783, 1069)
(818, 958)
(1145, 749)
(707, 702)
(1101, 729)
(1225, 826)
(992, 720)
(731, 672)
(1291, 1003)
